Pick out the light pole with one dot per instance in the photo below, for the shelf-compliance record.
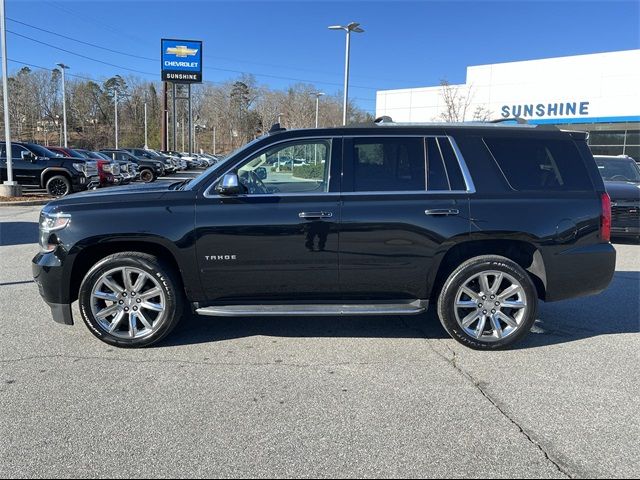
(146, 143)
(214, 140)
(318, 95)
(9, 188)
(115, 99)
(63, 67)
(352, 27)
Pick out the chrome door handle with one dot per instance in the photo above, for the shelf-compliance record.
(442, 211)
(315, 215)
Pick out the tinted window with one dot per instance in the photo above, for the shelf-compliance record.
(388, 164)
(437, 178)
(540, 164)
(456, 180)
(41, 151)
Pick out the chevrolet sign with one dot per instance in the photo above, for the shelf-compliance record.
(181, 61)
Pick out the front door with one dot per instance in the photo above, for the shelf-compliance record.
(278, 241)
(401, 208)
(25, 172)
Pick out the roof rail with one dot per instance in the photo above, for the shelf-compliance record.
(383, 119)
(275, 128)
(518, 120)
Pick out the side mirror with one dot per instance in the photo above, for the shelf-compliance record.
(261, 172)
(28, 156)
(230, 185)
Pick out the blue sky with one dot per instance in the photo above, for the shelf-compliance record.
(405, 44)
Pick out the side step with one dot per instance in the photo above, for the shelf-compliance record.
(396, 308)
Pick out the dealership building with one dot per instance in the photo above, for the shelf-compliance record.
(598, 93)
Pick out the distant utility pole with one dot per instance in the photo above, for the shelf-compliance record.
(318, 95)
(63, 67)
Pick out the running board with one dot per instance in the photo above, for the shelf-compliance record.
(399, 308)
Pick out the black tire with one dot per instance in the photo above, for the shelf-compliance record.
(163, 275)
(467, 272)
(147, 175)
(58, 186)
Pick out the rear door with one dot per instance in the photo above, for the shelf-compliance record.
(401, 208)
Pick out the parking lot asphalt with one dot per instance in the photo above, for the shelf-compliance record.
(317, 397)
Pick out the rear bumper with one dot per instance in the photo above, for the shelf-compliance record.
(625, 231)
(579, 272)
(48, 273)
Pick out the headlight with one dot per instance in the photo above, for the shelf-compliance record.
(81, 167)
(49, 223)
(107, 168)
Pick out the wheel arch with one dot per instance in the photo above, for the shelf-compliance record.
(47, 173)
(93, 253)
(524, 253)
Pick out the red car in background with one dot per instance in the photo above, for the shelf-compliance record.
(105, 167)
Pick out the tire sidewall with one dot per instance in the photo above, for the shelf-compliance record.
(446, 301)
(56, 178)
(151, 176)
(167, 284)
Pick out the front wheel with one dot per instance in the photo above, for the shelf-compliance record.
(488, 303)
(58, 186)
(147, 176)
(130, 299)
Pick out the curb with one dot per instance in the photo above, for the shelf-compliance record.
(25, 203)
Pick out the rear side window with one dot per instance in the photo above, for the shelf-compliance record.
(389, 164)
(540, 164)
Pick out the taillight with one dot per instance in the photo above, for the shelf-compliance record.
(605, 217)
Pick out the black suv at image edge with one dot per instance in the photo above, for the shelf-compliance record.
(479, 221)
(36, 166)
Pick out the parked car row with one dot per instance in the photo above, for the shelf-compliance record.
(62, 170)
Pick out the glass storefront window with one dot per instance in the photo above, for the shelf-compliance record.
(633, 137)
(607, 138)
(606, 149)
(633, 151)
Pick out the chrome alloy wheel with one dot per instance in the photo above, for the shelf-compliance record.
(490, 306)
(128, 302)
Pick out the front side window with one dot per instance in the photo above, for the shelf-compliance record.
(300, 167)
(389, 164)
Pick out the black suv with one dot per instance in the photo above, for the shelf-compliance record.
(621, 175)
(36, 166)
(479, 221)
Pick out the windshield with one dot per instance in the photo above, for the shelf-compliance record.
(222, 164)
(41, 151)
(618, 169)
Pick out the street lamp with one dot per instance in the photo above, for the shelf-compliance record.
(146, 143)
(10, 188)
(352, 27)
(63, 67)
(318, 95)
(115, 100)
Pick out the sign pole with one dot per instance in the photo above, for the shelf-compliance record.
(173, 119)
(190, 124)
(164, 116)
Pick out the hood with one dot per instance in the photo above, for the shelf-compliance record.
(623, 190)
(124, 193)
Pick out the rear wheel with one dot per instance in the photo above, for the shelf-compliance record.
(488, 302)
(58, 186)
(147, 176)
(130, 299)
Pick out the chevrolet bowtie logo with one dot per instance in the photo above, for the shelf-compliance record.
(182, 51)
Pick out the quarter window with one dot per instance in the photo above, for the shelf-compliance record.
(540, 164)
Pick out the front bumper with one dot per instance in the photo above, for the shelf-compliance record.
(48, 274)
(80, 182)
